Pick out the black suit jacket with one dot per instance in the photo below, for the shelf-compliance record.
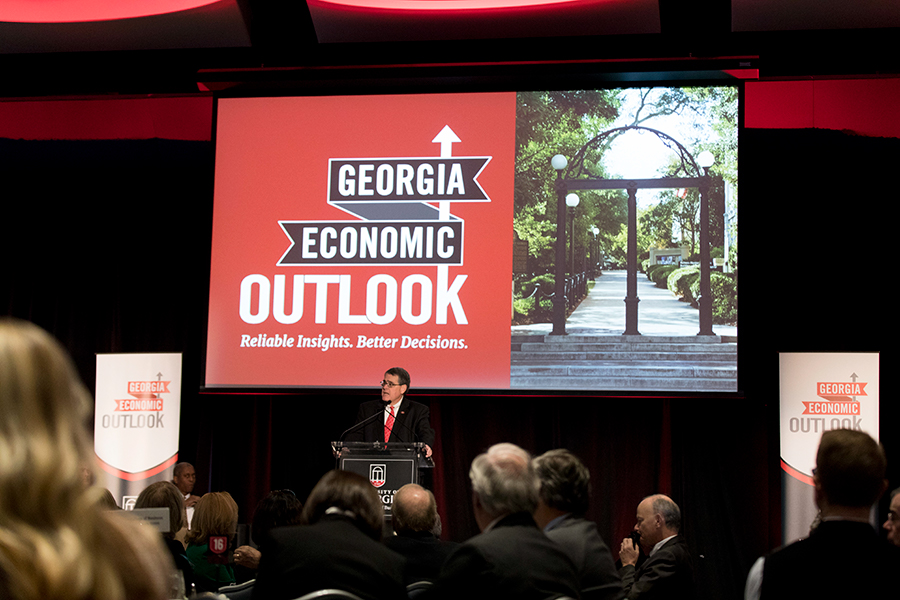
(513, 560)
(331, 553)
(580, 539)
(411, 424)
(669, 573)
(840, 559)
(424, 554)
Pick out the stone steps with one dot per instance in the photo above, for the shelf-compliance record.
(619, 363)
(622, 346)
(537, 357)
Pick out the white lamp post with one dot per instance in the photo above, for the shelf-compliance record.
(572, 201)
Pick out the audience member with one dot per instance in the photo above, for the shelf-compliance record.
(847, 481)
(511, 558)
(668, 571)
(415, 521)
(337, 547)
(184, 477)
(209, 541)
(56, 541)
(892, 524)
(565, 488)
(164, 494)
(280, 508)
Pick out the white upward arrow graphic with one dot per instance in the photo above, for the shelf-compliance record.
(446, 138)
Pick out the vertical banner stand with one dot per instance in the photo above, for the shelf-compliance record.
(136, 421)
(819, 392)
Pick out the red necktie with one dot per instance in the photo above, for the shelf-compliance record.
(389, 424)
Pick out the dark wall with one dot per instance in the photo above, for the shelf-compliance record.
(106, 244)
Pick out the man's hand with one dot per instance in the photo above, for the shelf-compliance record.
(427, 451)
(191, 500)
(628, 552)
(247, 556)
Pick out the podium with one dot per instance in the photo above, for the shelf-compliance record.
(387, 466)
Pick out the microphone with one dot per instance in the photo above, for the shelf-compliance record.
(364, 421)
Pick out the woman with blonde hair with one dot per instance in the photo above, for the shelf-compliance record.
(56, 541)
(210, 541)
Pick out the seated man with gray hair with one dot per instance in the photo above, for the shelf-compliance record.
(511, 558)
(564, 500)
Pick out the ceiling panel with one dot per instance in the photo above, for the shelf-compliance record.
(418, 20)
(27, 26)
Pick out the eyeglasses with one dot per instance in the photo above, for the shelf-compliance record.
(389, 384)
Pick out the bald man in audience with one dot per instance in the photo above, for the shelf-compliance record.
(417, 529)
(511, 558)
(565, 489)
(668, 571)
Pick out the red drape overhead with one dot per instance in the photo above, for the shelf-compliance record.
(863, 106)
(174, 118)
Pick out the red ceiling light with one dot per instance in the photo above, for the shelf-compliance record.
(80, 11)
(444, 5)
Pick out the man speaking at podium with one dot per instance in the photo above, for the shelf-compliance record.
(403, 420)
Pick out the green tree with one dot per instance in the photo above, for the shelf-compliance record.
(550, 123)
(564, 122)
(712, 115)
(656, 222)
(717, 113)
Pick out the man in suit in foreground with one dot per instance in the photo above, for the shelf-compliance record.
(402, 419)
(511, 558)
(843, 557)
(565, 489)
(668, 571)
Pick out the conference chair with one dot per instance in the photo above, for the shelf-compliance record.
(240, 591)
(329, 594)
(417, 588)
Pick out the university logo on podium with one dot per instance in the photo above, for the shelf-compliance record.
(377, 474)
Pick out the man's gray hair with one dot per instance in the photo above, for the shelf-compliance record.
(504, 480)
(668, 510)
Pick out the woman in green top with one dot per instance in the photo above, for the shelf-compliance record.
(210, 541)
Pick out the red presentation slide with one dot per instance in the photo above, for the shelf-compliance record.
(356, 233)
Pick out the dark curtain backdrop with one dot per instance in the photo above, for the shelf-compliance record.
(106, 244)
